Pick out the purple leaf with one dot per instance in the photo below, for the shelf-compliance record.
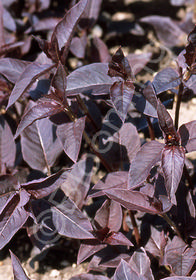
(149, 94)
(117, 238)
(7, 145)
(156, 244)
(166, 29)
(138, 61)
(148, 155)
(179, 256)
(121, 146)
(12, 68)
(13, 217)
(128, 137)
(125, 271)
(111, 180)
(115, 260)
(65, 29)
(165, 79)
(77, 183)
(109, 215)
(59, 82)
(19, 273)
(100, 52)
(43, 187)
(121, 94)
(64, 216)
(42, 109)
(89, 248)
(135, 200)
(172, 163)
(166, 125)
(78, 46)
(89, 79)
(26, 79)
(188, 136)
(140, 263)
(119, 66)
(40, 146)
(70, 135)
(92, 11)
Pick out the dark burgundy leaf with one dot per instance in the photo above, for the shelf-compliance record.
(43, 187)
(13, 217)
(40, 146)
(166, 125)
(119, 66)
(101, 49)
(42, 109)
(120, 146)
(109, 215)
(121, 94)
(77, 183)
(7, 145)
(172, 163)
(59, 82)
(89, 79)
(127, 137)
(60, 214)
(168, 78)
(179, 256)
(156, 244)
(89, 248)
(125, 271)
(111, 180)
(26, 79)
(115, 260)
(143, 105)
(166, 29)
(91, 12)
(70, 135)
(65, 29)
(12, 68)
(140, 263)
(188, 136)
(117, 238)
(138, 61)
(135, 200)
(148, 155)
(149, 94)
(19, 273)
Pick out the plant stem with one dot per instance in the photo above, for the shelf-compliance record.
(135, 227)
(86, 111)
(88, 140)
(171, 223)
(179, 99)
(150, 128)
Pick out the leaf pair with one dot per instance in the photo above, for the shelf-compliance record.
(58, 48)
(121, 92)
(171, 155)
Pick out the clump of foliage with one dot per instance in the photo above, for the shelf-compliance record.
(140, 217)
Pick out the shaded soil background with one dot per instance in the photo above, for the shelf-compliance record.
(118, 24)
